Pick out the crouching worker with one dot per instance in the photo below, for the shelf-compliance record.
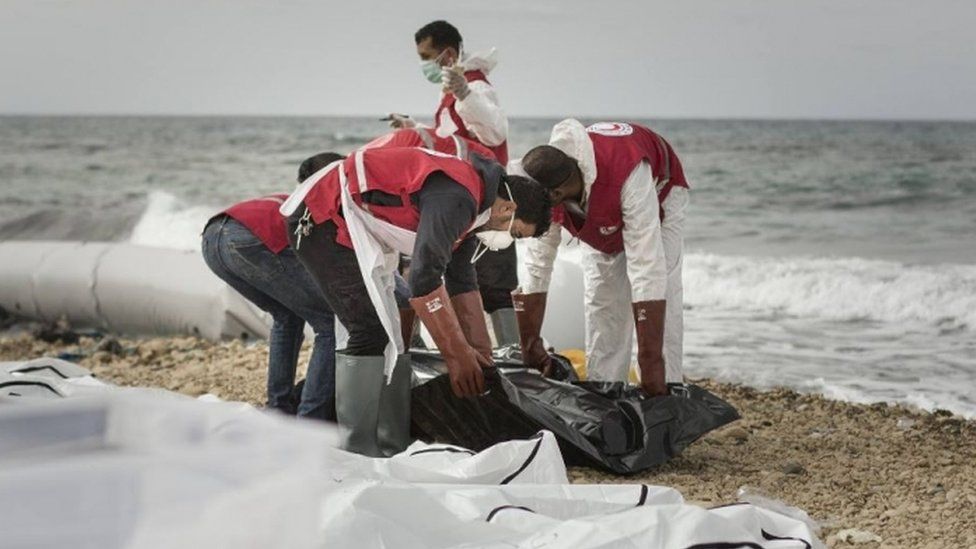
(620, 189)
(247, 246)
(496, 270)
(349, 222)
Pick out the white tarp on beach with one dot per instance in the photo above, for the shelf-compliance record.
(109, 467)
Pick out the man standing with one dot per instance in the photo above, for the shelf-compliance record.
(620, 189)
(348, 223)
(469, 109)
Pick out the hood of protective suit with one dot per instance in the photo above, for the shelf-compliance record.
(570, 137)
(483, 61)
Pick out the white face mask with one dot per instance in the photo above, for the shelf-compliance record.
(494, 240)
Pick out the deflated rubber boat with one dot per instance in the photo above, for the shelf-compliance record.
(123, 288)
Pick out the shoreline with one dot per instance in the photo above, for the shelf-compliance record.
(903, 475)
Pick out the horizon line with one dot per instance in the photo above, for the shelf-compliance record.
(511, 117)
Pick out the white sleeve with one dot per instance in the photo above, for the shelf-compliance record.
(482, 114)
(540, 254)
(646, 265)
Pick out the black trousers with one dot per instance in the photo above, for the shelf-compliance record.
(334, 269)
(497, 277)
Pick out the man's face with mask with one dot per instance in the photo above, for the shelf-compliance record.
(433, 58)
(501, 230)
(502, 214)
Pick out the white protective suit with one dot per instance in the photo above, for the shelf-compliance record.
(649, 268)
(480, 111)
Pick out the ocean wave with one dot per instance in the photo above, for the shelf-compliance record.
(921, 397)
(168, 222)
(845, 289)
(839, 289)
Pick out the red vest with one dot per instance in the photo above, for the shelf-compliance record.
(618, 149)
(396, 171)
(447, 102)
(428, 139)
(261, 217)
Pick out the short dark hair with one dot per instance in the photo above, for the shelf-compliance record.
(548, 165)
(532, 203)
(315, 163)
(441, 33)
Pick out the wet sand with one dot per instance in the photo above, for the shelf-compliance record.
(889, 473)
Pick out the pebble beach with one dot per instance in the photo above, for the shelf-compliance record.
(871, 476)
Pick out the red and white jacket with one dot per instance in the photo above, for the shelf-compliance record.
(393, 171)
(477, 117)
(427, 138)
(617, 149)
(628, 172)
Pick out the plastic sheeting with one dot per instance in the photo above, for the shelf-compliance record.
(44, 378)
(123, 288)
(111, 467)
(562, 326)
(610, 426)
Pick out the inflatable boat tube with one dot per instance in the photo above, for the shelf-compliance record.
(142, 290)
(123, 288)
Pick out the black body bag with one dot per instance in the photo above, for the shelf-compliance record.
(609, 426)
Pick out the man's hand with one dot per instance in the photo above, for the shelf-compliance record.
(465, 373)
(536, 356)
(454, 81)
(530, 309)
(649, 321)
(655, 385)
(398, 121)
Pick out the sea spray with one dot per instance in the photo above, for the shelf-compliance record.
(167, 222)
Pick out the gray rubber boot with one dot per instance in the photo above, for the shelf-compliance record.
(359, 384)
(393, 425)
(505, 326)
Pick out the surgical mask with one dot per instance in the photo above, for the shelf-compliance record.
(494, 240)
(432, 69)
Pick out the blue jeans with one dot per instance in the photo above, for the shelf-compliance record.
(279, 285)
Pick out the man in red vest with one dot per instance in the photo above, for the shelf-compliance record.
(620, 189)
(469, 109)
(506, 333)
(349, 222)
(246, 245)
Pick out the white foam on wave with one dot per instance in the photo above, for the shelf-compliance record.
(168, 222)
(929, 399)
(834, 289)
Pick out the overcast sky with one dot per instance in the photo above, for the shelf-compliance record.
(720, 58)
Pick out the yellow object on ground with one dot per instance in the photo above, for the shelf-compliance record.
(577, 357)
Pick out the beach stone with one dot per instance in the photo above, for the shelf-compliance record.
(857, 537)
(905, 423)
(110, 345)
(736, 434)
(792, 468)
(102, 357)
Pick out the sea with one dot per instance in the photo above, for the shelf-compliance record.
(836, 257)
